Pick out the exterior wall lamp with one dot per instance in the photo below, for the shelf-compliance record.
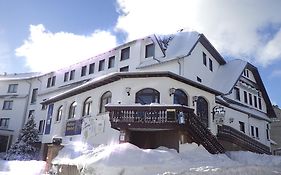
(172, 91)
(218, 114)
(128, 90)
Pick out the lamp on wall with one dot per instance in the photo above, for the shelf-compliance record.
(218, 114)
(194, 99)
(172, 91)
(128, 90)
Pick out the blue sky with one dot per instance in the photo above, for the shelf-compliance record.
(48, 35)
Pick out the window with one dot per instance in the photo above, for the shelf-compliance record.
(257, 132)
(246, 73)
(49, 82)
(13, 88)
(41, 126)
(180, 97)
(255, 101)
(237, 93)
(125, 53)
(72, 75)
(105, 99)
(8, 105)
(101, 65)
(267, 132)
(92, 68)
(242, 126)
(4, 122)
(111, 62)
(59, 113)
(250, 99)
(210, 64)
(72, 110)
(204, 59)
(260, 106)
(252, 131)
(87, 107)
(199, 79)
(149, 50)
(66, 75)
(245, 97)
(53, 81)
(147, 96)
(83, 71)
(31, 113)
(124, 69)
(34, 96)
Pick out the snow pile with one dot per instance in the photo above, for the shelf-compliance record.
(32, 167)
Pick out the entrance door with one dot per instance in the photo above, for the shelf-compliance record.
(202, 110)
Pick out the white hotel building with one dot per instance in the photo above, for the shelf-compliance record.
(154, 91)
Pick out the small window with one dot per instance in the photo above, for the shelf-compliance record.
(250, 99)
(31, 113)
(267, 132)
(105, 99)
(59, 113)
(101, 65)
(210, 64)
(149, 50)
(8, 105)
(245, 97)
(257, 132)
(124, 69)
(72, 110)
(92, 68)
(237, 93)
(204, 59)
(252, 131)
(111, 62)
(255, 101)
(199, 79)
(13, 88)
(72, 75)
(34, 96)
(246, 73)
(83, 71)
(125, 53)
(242, 126)
(49, 82)
(260, 106)
(66, 76)
(87, 107)
(41, 126)
(53, 81)
(4, 123)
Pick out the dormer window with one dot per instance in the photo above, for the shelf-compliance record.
(149, 50)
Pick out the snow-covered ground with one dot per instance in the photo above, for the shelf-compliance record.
(127, 159)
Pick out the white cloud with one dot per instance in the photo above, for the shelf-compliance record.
(232, 26)
(46, 51)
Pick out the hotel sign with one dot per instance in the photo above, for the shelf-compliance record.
(73, 127)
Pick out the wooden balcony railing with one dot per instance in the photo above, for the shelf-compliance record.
(146, 116)
(232, 135)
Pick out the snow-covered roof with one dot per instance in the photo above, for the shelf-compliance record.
(19, 76)
(227, 75)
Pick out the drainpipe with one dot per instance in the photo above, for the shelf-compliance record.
(26, 106)
(179, 66)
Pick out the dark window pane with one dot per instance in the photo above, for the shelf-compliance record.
(149, 50)
(125, 53)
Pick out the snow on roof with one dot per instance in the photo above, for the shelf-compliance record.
(227, 75)
(19, 76)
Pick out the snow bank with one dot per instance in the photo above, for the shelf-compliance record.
(128, 159)
(32, 167)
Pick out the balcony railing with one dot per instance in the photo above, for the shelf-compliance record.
(232, 135)
(146, 116)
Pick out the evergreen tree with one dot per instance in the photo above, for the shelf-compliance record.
(24, 148)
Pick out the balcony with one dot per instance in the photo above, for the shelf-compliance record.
(149, 117)
(229, 134)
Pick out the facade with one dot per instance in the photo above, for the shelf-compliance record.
(275, 131)
(150, 92)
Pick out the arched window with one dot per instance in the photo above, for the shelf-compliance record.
(87, 107)
(105, 99)
(147, 96)
(180, 97)
(59, 114)
(72, 110)
(202, 110)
